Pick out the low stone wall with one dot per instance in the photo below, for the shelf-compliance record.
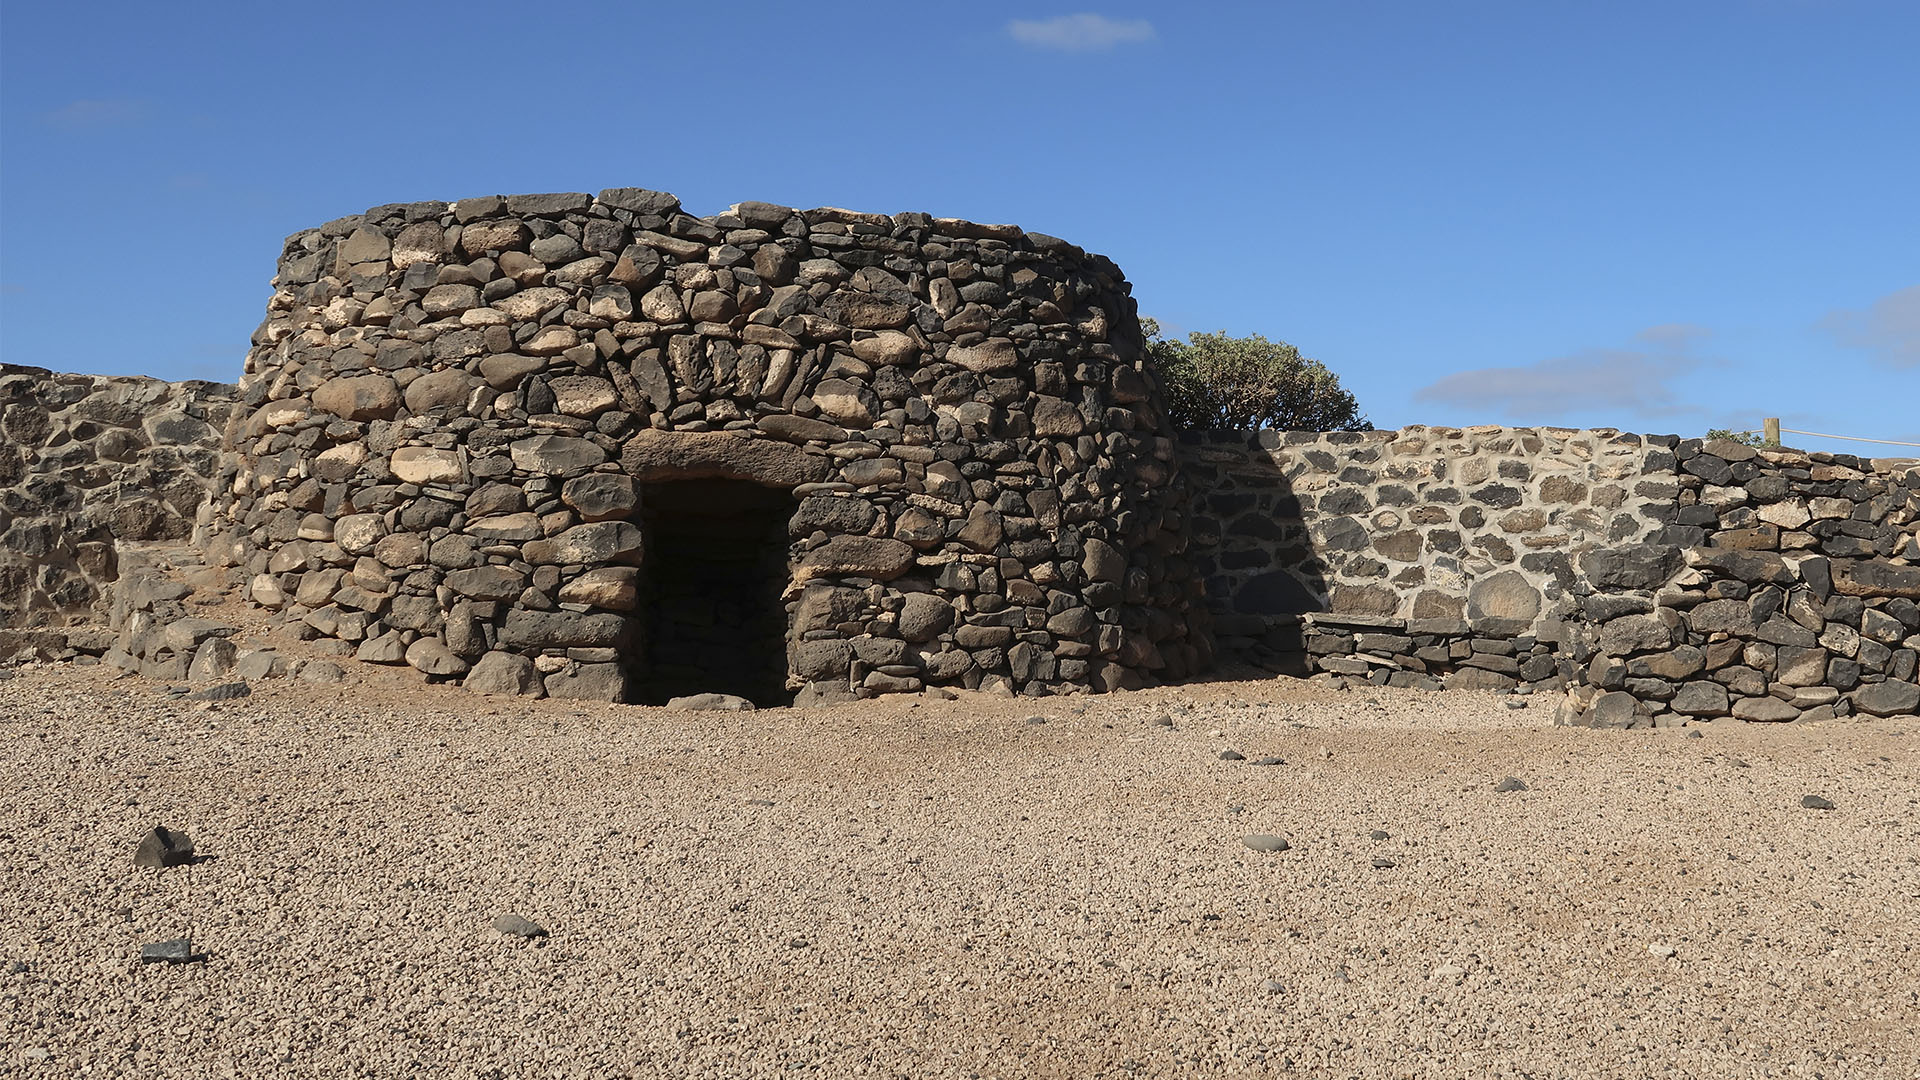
(1784, 588)
(1655, 579)
(87, 462)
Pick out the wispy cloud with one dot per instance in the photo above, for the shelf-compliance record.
(1085, 32)
(1635, 381)
(1674, 335)
(1889, 328)
(90, 114)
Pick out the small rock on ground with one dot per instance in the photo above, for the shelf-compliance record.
(519, 926)
(1264, 842)
(1815, 802)
(1511, 783)
(222, 692)
(711, 703)
(164, 847)
(177, 951)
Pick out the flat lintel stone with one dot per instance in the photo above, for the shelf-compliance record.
(654, 456)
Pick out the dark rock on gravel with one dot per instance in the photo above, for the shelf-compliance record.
(223, 692)
(1815, 802)
(177, 951)
(164, 847)
(1263, 842)
(1511, 783)
(1232, 755)
(1380, 834)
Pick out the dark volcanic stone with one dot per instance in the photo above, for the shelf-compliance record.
(164, 847)
(177, 951)
(1635, 566)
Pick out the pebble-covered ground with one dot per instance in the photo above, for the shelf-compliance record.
(980, 887)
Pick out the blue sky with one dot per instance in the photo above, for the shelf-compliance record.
(1663, 217)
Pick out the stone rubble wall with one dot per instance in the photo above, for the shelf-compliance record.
(87, 463)
(1654, 579)
(451, 410)
(1786, 586)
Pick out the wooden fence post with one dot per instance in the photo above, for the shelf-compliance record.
(1772, 434)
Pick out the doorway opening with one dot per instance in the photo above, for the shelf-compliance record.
(714, 570)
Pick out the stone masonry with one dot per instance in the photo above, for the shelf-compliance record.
(88, 463)
(596, 447)
(1654, 579)
(492, 439)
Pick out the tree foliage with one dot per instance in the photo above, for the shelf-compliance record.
(1247, 383)
(1744, 438)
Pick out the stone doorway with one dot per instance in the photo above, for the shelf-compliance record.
(715, 567)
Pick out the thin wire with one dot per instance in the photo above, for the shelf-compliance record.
(1849, 438)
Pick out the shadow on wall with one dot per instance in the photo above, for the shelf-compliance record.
(1253, 548)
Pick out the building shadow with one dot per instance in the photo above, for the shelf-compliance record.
(1251, 546)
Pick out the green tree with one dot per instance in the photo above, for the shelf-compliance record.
(1246, 383)
(1744, 438)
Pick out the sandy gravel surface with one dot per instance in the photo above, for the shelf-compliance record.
(903, 889)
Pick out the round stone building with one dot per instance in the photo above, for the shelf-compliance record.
(597, 447)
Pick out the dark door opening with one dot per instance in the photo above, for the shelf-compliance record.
(715, 566)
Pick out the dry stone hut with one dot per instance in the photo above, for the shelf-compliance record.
(598, 447)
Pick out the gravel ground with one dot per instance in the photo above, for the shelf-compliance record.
(911, 888)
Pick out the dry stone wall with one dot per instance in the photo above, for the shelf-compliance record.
(597, 447)
(88, 463)
(1785, 586)
(470, 432)
(1655, 580)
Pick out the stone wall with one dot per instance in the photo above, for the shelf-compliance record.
(597, 447)
(88, 462)
(469, 432)
(1653, 578)
(1784, 587)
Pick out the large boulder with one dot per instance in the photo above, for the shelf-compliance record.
(1505, 603)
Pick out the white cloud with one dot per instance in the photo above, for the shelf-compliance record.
(89, 114)
(1079, 33)
(1632, 380)
(1890, 328)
